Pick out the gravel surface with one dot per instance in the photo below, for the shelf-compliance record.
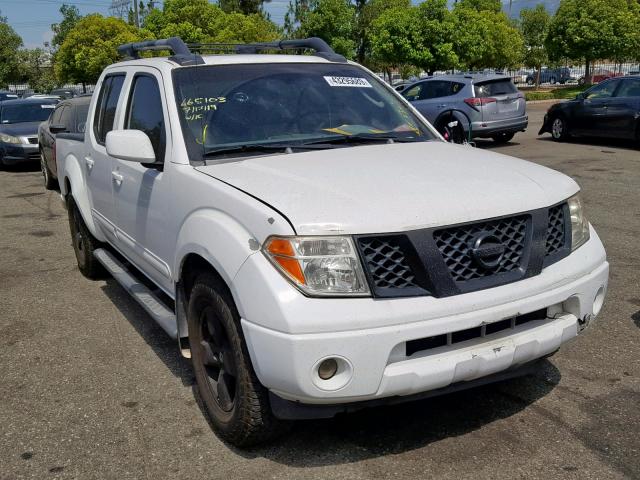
(92, 388)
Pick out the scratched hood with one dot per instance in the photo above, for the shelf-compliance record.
(390, 188)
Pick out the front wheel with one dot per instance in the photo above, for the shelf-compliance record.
(501, 138)
(559, 131)
(237, 404)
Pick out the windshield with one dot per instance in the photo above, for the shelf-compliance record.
(227, 106)
(26, 112)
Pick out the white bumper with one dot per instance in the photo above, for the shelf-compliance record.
(288, 334)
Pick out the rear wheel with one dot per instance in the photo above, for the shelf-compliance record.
(236, 402)
(452, 131)
(553, 80)
(559, 131)
(49, 182)
(503, 137)
(83, 242)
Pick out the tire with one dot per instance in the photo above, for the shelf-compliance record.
(552, 80)
(84, 243)
(50, 183)
(559, 129)
(453, 135)
(502, 138)
(530, 81)
(232, 396)
(581, 81)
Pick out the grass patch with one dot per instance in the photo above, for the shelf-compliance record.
(555, 94)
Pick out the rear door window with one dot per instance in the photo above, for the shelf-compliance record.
(494, 88)
(106, 106)
(145, 112)
(629, 88)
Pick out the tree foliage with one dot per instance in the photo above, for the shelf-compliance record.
(92, 45)
(595, 29)
(419, 36)
(70, 17)
(534, 25)
(485, 37)
(35, 68)
(335, 22)
(201, 21)
(10, 42)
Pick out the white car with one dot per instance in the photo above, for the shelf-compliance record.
(316, 244)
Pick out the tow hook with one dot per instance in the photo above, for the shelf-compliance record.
(583, 322)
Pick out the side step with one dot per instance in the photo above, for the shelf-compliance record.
(154, 307)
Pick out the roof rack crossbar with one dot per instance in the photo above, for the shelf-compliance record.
(181, 53)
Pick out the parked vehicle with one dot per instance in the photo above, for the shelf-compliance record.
(19, 120)
(484, 106)
(318, 247)
(610, 109)
(520, 76)
(599, 75)
(7, 95)
(69, 116)
(552, 75)
(64, 93)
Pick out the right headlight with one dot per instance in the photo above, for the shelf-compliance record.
(319, 266)
(5, 138)
(579, 223)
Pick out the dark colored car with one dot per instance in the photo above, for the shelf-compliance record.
(69, 116)
(7, 95)
(19, 120)
(552, 76)
(609, 109)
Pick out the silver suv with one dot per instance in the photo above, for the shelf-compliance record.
(463, 107)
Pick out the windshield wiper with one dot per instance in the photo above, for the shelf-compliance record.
(259, 147)
(362, 138)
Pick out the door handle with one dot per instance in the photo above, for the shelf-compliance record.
(117, 178)
(442, 105)
(90, 162)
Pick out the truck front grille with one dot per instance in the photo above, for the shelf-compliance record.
(447, 261)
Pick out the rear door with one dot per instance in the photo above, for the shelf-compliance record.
(435, 97)
(501, 100)
(96, 161)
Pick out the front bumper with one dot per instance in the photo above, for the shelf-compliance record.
(13, 154)
(510, 125)
(288, 334)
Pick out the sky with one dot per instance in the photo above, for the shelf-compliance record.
(32, 19)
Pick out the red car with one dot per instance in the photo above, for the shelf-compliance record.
(600, 74)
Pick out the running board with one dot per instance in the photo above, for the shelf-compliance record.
(154, 307)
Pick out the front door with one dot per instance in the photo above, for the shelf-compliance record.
(141, 191)
(592, 113)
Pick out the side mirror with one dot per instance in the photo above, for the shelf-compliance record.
(57, 128)
(130, 145)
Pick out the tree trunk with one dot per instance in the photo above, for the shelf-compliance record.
(84, 87)
(538, 73)
(587, 72)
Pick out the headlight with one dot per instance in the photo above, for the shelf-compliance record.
(579, 223)
(319, 266)
(9, 138)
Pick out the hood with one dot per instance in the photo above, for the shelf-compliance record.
(392, 188)
(26, 129)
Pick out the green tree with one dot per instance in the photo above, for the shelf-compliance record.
(35, 68)
(242, 6)
(588, 30)
(201, 21)
(485, 38)
(494, 6)
(335, 22)
(534, 25)
(70, 17)
(10, 42)
(419, 36)
(92, 45)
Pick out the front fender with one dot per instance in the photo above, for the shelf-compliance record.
(218, 239)
(72, 172)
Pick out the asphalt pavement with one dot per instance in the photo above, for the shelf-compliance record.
(91, 388)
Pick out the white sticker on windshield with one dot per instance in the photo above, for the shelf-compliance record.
(47, 106)
(348, 82)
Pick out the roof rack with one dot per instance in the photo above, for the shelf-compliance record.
(319, 46)
(183, 54)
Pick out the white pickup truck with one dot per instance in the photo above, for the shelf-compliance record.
(311, 241)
